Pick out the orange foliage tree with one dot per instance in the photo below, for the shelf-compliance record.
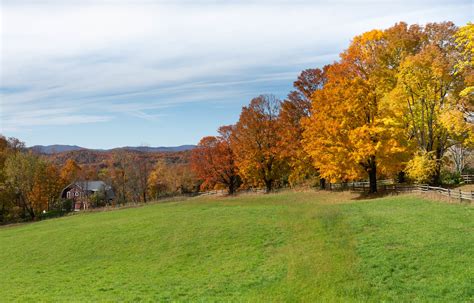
(213, 161)
(46, 187)
(350, 134)
(255, 143)
(70, 172)
(296, 107)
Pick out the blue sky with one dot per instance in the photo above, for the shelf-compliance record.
(111, 73)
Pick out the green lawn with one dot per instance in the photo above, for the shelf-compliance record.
(285, 247)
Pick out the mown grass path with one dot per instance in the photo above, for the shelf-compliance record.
(283, 247)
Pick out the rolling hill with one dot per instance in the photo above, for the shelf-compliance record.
(58, 148)
(286, 247)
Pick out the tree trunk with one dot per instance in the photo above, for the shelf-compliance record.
(268, 186)
(436, 179)
(30, 210)
(322, 183)
(231, 185)
(31, 213)
(372, 171)
(401, 177)
(2, 213)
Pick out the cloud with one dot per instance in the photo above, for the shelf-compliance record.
(64, 63)
(24, 121)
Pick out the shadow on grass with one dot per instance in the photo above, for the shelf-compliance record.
(378, 194)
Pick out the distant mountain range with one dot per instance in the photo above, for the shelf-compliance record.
(58, 148)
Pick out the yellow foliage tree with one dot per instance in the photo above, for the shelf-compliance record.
(349, 134)
(465, 44)
(421, 167)
(35, 180)
(426, 99)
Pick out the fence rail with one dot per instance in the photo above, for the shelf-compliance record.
(385, 187)
(212, 192)
(448, 192)
(362, 185)
(224, 192)
(468, 178)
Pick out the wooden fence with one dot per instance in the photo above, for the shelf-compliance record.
(359, 186)
(212, 192)
(223, 192)
(448, 192)
(468, 178)
(385, 187)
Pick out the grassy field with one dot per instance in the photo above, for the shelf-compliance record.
(466, 187)
(286, 247)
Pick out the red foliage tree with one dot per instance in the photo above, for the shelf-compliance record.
(213, 161)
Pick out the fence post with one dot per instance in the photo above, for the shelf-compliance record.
(460, 195)
(449, 193)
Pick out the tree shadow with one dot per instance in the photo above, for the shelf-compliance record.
(377, 195)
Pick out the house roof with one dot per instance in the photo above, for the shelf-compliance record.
(92, 185)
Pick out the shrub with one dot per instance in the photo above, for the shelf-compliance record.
(421, 168)
(451, 178)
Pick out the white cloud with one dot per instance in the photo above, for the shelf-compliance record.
(128, 56)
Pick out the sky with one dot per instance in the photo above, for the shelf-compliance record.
(111, 73)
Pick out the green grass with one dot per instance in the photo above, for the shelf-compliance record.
(285, 247)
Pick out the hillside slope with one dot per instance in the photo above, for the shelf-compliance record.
(281, 247)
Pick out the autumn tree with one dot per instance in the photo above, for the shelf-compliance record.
(157, 184)
(52, 185)
(142, 172)
(136, 169)
(27, 174)
(47, 187)
(427, 96)
(119, 171)
(460, 155)
(465, 65)
(16, 145)
(7, 192)
(296, 107)
(350, 134)
(70, 172)
(213, 161)
(171, 178)
(181, 179)
(255, 143)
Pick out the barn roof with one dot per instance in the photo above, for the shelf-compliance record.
(92, 185)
